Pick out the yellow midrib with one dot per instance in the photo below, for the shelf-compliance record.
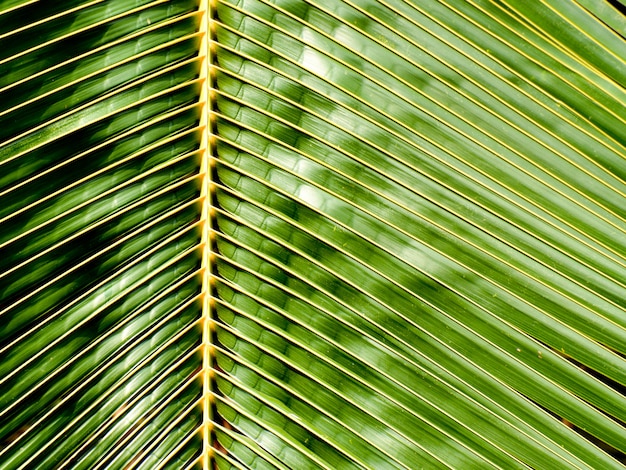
(206, 51)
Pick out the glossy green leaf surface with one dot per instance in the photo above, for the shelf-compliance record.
(420, 247)
(99, 235)
(417, 255)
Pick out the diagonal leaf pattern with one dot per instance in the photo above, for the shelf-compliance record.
(100, 340)
(421, 233)
(312, 234)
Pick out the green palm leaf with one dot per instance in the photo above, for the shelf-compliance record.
(421, 233)
(99, 332)
(394, 238)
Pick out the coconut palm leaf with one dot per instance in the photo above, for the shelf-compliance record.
(411, 252)
(421, 234)
(99, 318)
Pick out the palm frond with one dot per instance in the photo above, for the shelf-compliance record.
(421, 233)
(409, 235)
(99, 320)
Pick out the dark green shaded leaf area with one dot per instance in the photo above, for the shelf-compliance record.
(421, 246)
(99, 311)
